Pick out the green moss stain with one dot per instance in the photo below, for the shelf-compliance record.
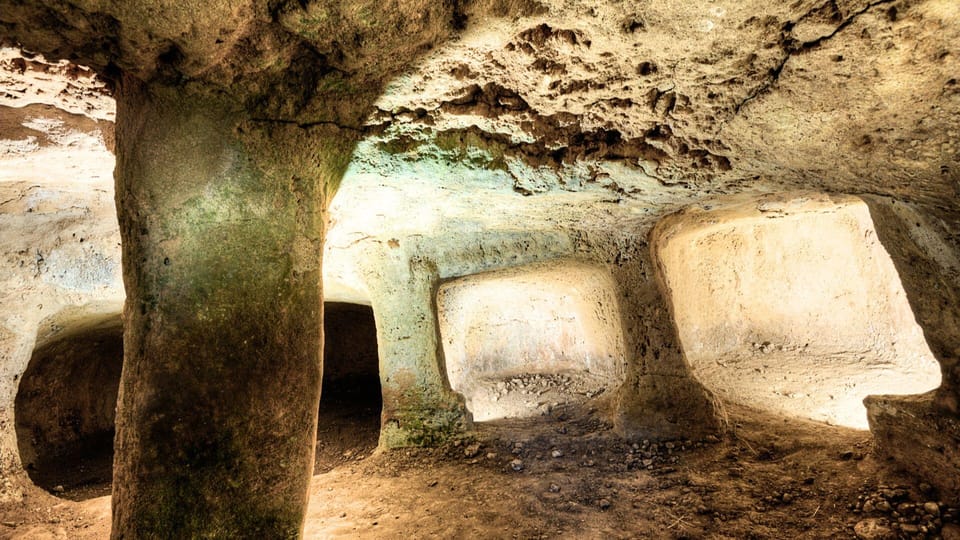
(464, 147)
(222, 224)
(421, 418)
(183, 506)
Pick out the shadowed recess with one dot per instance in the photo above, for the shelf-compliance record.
(518, 342)
(65, 407)
(350, 403)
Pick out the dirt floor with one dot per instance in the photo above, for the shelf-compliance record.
(566, 475)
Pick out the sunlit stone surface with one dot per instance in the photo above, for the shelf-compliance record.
(420, 146)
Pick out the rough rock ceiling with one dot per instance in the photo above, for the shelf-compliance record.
(524, 118)
(636, 98)
(604, 117)
(841, 96)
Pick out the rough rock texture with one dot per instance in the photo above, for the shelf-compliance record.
(790, 303)
(925, 441)
(60, 243)
(218, 400)
(499, 133)
(66, 402)
(228, 144)
(926, 259)
(918, 243)
(552, 318)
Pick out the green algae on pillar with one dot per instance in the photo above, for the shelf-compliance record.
(222, 226)
(419, 408)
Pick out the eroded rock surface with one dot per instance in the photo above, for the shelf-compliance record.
(477, 136)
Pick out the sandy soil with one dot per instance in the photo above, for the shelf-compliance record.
(566, 475)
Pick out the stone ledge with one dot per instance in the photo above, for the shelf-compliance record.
(922, 440)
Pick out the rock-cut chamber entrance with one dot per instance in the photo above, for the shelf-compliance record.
(791, 305)
(350, 402)
(67, 398)
(65, 406)
(520, 341)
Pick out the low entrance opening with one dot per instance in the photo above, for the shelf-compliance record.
(518, 342)
(65, 408)
(791, 305)
(66, 402)
(350, 403)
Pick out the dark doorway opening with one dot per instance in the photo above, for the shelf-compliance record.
(66, 402)
(349, 425)
(65, 409)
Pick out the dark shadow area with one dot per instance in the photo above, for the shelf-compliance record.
(66, 402)
(65, 409)
(349, 425)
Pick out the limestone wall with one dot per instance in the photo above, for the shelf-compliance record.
(790, 303)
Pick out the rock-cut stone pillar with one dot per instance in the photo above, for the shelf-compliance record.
(660, 398)
(922, 432)
(419, 407)
(221, 218)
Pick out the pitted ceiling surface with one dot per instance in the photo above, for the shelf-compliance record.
(632, 101)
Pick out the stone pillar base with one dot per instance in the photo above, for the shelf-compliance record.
(922, 439)
(426, 424)
(664, 408)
